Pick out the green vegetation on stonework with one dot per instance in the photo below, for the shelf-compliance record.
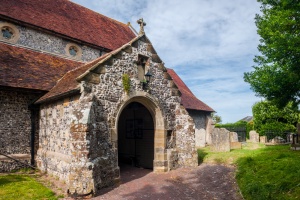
(19, 186)
(270, 172)
(126, 83)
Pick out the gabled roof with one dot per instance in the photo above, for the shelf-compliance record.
(70, 81)
(69, 19)
(188, 99)
(25, 68)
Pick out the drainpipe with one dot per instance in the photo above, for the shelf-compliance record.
(33, 116)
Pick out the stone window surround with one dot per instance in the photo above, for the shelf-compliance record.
(79, 51)
(16, 34)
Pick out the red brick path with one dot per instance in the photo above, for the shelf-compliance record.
(204, 182)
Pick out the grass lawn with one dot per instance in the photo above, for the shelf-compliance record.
(20, 186)
(271, 172)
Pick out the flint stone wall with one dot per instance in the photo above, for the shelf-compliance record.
(220, 140)
(45, 42)
(78, 138)
(15, 126)
(254, 136)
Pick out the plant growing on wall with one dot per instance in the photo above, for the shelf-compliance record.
(126, 83)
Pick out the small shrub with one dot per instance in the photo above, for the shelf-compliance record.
(126, 83)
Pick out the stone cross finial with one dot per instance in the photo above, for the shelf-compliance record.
(142, 24)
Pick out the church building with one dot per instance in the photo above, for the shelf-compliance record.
(82, 94)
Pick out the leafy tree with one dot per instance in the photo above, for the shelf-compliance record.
(268, 116)
(277, 73)
(216, 118)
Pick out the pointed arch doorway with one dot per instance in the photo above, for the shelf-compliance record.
(136, 136)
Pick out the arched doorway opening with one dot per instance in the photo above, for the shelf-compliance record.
(136, 136)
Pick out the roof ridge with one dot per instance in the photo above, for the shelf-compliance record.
(122, 23)
(69, 20)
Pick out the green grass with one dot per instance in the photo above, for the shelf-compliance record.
(19, 186)
(207, 156)
(271, 172)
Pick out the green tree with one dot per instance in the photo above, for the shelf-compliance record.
(216, 118)
(268, 116)
(277, 73)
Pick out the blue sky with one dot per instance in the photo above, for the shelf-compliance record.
(209, 43)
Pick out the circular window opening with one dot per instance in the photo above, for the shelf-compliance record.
(7, 32)
(73, 51)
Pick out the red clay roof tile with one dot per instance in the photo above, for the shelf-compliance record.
(68, 82)
(70, 19)
(25, 68)
(188, 99)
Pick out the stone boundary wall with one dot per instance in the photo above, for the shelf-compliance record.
(15, 125)
(42, 41)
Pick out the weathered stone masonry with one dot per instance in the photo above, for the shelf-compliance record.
(41, 41)
(15, 127)
(82, 146)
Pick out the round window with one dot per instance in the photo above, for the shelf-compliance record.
(7, 32)
(73, 51)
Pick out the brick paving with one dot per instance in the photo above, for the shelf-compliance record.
(203, 182)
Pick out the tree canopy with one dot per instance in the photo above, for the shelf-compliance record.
(216, 118)
(268, 116)
(276, 75)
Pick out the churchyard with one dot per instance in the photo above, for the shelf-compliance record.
(262, 172)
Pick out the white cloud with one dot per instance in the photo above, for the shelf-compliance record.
(209, 43)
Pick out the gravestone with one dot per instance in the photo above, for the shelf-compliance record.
(277, 140)
(234, 137)
(254, 137)
(263, 139)
(235, 145)
(200, 137)
(220, 140)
